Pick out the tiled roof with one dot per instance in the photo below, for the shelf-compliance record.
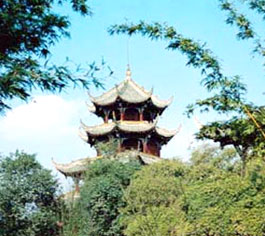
(130, 92)
(74, 167)
(79, 166)
(98, 130)
(124, 126)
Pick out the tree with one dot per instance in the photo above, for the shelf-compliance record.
(28, 193)
(243, 133)
(96, 212)
(214, 155)
(152, 200)
(28, 29)
(224, 203)
(207, 196)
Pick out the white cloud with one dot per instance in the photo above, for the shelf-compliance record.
(180, 146)
(44, 116)
(47, 126)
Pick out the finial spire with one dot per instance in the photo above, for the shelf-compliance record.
(128, 73)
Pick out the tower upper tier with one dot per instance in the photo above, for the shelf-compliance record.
(128, 94)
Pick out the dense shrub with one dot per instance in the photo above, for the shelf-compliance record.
(152, 199)
(206, 197)
(96, 213)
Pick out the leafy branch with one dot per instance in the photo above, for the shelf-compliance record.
(230, 90)
(20, 77)
(27, 31)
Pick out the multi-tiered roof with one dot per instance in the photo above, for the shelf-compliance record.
(130, 115)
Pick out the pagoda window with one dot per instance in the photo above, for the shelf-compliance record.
(132, 114)
(132, 144)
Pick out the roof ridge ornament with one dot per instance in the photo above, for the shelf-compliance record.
(128, 73)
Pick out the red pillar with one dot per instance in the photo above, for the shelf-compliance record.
(114, 115)
(122, 114)
(141, 115)
(145, 148)
(106, 118)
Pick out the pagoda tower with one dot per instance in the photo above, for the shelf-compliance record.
(130, 115)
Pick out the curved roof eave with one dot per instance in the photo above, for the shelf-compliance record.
(166, 133)
(91, 107)
(161, 103)
(105, 99)
(98, 130)
(82, 135)
(73, 168)
(129, 91)
(136, 127)
(125, 126)
(79, 166)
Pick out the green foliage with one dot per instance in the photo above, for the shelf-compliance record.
(246, 29)
(227, 204)
(206, 197)
(157, 221)
(242, 132)
(198, 55)
(234, 17)
(208, 160)
(151, 199)
(101, 196)
(28, 29)
(107, 149)
(28, 205)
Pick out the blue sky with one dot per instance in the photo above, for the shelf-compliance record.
(48, 126)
